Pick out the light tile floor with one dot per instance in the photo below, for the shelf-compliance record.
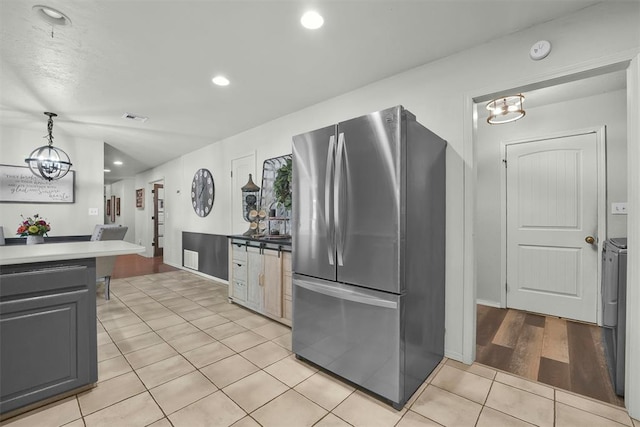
(173, 352)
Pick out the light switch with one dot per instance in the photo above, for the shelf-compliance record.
(93, 211)
(619, 208)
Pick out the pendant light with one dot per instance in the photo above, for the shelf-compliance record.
(505, 110)
(49, 162)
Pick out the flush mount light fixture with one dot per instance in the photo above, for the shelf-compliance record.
(312, 20)
(50, 15)
(505, 109)
(49, 162)
(107, 170)
(220, 81)
(117, 163)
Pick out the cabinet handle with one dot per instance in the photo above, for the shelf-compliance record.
(261, 279)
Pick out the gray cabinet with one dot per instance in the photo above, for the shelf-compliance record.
(47, 330)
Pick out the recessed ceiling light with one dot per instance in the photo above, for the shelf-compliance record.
(50, 15)
(312, 20)
(107, 170)
(220, 81)
(117, 163)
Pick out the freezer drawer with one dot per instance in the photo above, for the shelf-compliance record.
(350, 331)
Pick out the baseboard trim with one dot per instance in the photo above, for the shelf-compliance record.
(454, 355)
(199, 273)
(488, 303)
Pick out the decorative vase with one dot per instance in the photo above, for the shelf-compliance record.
(35, 240)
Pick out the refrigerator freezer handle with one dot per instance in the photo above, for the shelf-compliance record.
(346, 295)
(336, 199)
(331, 243)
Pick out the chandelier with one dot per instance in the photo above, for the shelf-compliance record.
(49, 162)
(505, 110)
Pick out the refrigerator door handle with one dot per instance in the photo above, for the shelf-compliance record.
(336, 199)
(346, 294)
(331, 242)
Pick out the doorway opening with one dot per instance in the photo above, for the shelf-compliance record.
(158, 219)
(535, 341)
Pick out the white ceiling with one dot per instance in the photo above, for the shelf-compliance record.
(156, 59)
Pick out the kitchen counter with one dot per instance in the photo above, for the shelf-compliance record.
(273, 242)
(48, 343)
(22, 254)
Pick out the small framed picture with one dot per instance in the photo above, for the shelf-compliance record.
(140, 198)
(109, 207)
(118, 206)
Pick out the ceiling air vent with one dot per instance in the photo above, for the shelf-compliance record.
(130, 116)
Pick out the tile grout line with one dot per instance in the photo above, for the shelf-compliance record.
(198, 369)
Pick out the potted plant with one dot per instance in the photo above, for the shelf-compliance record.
(34, 229)
(282, 185)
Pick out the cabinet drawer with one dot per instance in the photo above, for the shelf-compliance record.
(239, 253)
(239, 290)
(239, 270)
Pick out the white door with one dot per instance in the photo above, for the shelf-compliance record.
(240, 170)
(552, 214)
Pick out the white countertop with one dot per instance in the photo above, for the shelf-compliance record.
(23, 254)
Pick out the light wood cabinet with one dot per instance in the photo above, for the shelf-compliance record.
(272, 282)
(255, 294)
(261, 278)
(287, 286)
(238, 269)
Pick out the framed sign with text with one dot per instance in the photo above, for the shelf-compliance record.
(19, 185)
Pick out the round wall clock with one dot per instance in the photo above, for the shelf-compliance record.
(202, 192)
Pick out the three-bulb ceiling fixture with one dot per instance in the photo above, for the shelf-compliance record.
(49, 162)
(505, 109)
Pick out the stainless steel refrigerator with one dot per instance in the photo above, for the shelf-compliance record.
(369, 251)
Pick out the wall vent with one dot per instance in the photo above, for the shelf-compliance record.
(134, 117)
(190, 259)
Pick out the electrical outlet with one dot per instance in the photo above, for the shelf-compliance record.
(619, 208)
(93, 211)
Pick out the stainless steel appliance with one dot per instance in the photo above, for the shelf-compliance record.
(368, 251)
(614, 307)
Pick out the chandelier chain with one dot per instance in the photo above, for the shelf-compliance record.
(50, 130)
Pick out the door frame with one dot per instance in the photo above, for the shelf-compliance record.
(626, 60)
(232, 189)
(148, 237)
(157, 251)
(601, 165)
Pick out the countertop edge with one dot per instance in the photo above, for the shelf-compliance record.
(25, 254)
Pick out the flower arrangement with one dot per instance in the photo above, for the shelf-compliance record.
(35, 226)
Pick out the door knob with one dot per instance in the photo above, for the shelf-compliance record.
(590, 240)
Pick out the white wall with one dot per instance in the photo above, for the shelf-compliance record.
(125, 190)
(605, 109)
(87, 157)
(434, 92)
